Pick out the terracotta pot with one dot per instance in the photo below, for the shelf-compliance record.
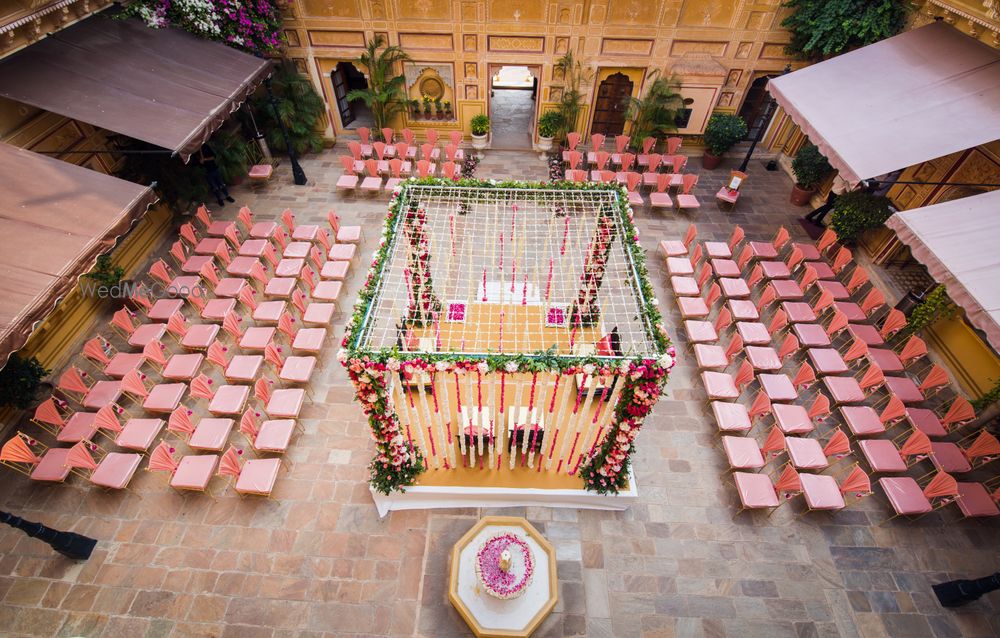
(800, 196)
(709, 161)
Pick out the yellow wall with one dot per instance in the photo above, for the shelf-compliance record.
(975, 365)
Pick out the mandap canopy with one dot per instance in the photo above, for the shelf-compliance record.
(506, 327)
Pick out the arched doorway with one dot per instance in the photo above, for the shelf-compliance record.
(611, 105)
(513, 92)
(754, 109)
(353, 114)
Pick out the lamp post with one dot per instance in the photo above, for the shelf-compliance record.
(956, 593)
(297, 173)
(764, 119)
(69, 544)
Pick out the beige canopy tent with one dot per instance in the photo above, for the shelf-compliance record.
(55, 219)
(911, 98)
(163, 86)
(958, 242)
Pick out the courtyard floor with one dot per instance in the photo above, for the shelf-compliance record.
(317, 561)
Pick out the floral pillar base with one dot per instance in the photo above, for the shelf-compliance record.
(503, 577)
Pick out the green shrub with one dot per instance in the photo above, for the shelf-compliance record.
(299, 107)
(823, 28)
(549, 124)
(857, 211)
(936, 305)
(480, 124)
(724, 130)
(19, 381)
(105, 273)
(810, 167)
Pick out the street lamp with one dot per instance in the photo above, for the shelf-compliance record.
(955, 593)
(297, 173)
(69, 544)
(764, 120)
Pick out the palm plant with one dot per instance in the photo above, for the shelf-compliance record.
(571, 102)
(653, 115)
(384, 96)
(299, 107)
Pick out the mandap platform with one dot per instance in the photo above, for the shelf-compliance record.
(506, 346)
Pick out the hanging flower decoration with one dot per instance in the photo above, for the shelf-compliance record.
(249, 25)
(490, 566)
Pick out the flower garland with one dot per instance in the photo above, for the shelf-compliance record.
(398, 462)
(497, 582)
(424, 304)
(586, 309)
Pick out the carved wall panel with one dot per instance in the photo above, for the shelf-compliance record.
(471, 92)
(515, 11)
(681, 47)
(427, 41)
(621, 46)
(515, 43)
(423, 9)
(562, 46)
(707, 13)
(324, 38)
(743, 50)
(773, 51)
(292, 37)
(471, 71)
(633, 12)
(470, 42)
(330, 8)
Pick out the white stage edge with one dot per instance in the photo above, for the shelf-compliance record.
(423, 498)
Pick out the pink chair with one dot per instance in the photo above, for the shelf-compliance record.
(908, 498)
(645, 154)
(137, 335)
(139, 434)
(192, 473)
(822, 492)
(730, 193)
(757, 491)
(114, 471)
(650, 177)
(29, 457)
(254, 476)
(365, 134)
(596, 145)
(661, 198)
(731, 417)
(675, 248)
(425, 168)
(283, 403)
(632, 182)
(387, 135)
(411, 144)
(450, 170)
(315, 313)
(349, 179)
(271, 436)
(742, 453)
(685, 200)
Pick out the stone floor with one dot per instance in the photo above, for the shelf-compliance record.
(317, 561)
(511, 114)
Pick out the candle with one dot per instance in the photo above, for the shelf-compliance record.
(500, 347)
(484, 284)
(513, 275)
(562, 250)
(524, 291)
(501, 252)
(451, 224)
(548, 285)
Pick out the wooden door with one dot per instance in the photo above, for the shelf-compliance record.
(340, 90)
(754, 109)
(611, 104)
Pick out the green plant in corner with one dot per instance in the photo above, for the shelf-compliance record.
(858, 211)
(299, 107)
(988, 398)
(20, 380)
(384, 94)
(654, 114)
(936, 305)
(722, 131)
(105, 272)
(571, 100)
(810, 167)
(549, 124)
(480, 124)
(824, 28)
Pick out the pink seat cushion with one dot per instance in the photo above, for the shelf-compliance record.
(297, 250)
(692, 307)
(258, 476)
(194, 472)
(753, 333)
(685, 286)
(200, 336)
(116, 470)
(786, 289)
(905, 495)
(688, 201)
(257, 338)
(342, 252)
(635, 199)
(755, 490)
(289, 267)
(253, 248)
(146, 333)
(139, 434)
(209, 245)
(725, 268)
(217, 309)
(861, 420)
(762, 358)
(244, 367)
(763, 249)
(79, 427)
(297, 369)
(263, 230)
(305, 232)
(778, 387)
(838, 289)
(347, 181)
(823, 270)
(774, 270)
(163, 309)
(948, 457)
(260, 172)
(269, 311)
(882, 455)
(905, 389)
(240, 266)
(219, 228)
(809, 251)
(336, 270)
(673, 248)
(885, 359)
(661, 200)
(286, 403)
(349, 234)
(742, 453)
(731, 417)
(974, 500)
(211, 434)
(821, 492)
(844, 389)
(679, 266)
(798, 311)
(309, 339)
(926, 421)
(122, 363)
(792, 419)
(230, 287)
(728, 196)
(371, 184)
(811, 335)
(182, 367)
(280, 287)
(734, 287)
(274, 435)
(826, 361)
(743, 310)
(719, 385)
(700, 331)
(319, 314)
(101, 394)
(710, 356)
(805, 454)
(52, 467)
(327, 290)
(229, 399)
(195, 263)
(868, 334)
(165, 397)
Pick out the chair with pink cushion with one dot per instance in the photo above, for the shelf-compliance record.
(280, 403)
(191, 473)
(686, 200)
(823, 492)
(252, 476)
(730, 192)
(677, 248)
(137, 335)
(911, 499)
(28, 456)
(758, 491)
(349, 179)
(139, 434)
(271, 435)
(160, 398)
(742, 453)
(975, 501)
(211, 434)
(113, 471)
(731, 417)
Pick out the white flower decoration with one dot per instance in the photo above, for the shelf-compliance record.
(589, 368)
(483, 367)
(510, 366)
(392, 364)
(666, 361)
(442, 366)
(656, 302)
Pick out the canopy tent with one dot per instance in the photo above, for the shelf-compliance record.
(163, 86)
(911, 98)
(55, 218)
(957, 241)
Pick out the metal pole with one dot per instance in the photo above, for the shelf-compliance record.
(297, 173)
(956, 593)
(768, 111)
(69, 544)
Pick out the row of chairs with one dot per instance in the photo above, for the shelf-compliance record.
(642, 150)
(367, 175)
(368, 148)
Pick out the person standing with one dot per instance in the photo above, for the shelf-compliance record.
(817, 215)
(212, 175)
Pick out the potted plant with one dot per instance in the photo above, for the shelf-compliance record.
(438, 109)
(415, 108)
(548, 127)
(723, 130)
(857, 211)
(480, 126)
(810, 168)
(107, 278)
(427, 107)
(447, 110)
(20, 380)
